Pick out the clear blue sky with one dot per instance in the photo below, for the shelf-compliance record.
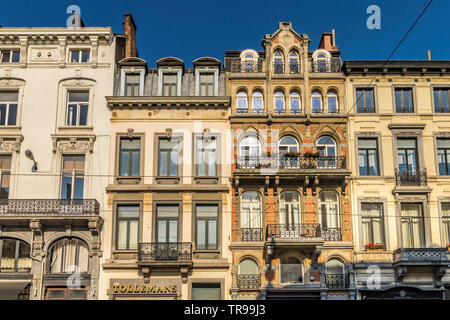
(191, 29)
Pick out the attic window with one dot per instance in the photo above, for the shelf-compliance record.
(9, 56)
(79, 55)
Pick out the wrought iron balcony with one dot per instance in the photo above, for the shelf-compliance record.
(252, 234)
(336, 280)
(331, 234)
(411, 178)
(417, 256)
(278, 68)
(236, 65)
(297, 163)
(49, 207)
(248, 281)
(334, 65)
(293, 231)
(165, 251)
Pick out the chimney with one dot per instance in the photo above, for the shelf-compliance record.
(429, 55)
(327, 42)
(333, 38)
(129, 30)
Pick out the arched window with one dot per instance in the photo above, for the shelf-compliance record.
(316, 102)
(249, 61)
(329, 209)
(294, 64)
(242, 105)
(326, 146)
(291, 270)
(257, 102)
(287, 144)
(68, 255)
(248, 266)
(250, 146)
(294, 102)
(290, 208)
(251, 215)
(279, 102)
(332, 101)
(278, 62)
(14, 255)
(335, 275)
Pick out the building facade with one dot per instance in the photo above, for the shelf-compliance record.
(54, 146)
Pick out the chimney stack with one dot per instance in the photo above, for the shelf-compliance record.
(429, 55)
(333, 38)
(129, 30)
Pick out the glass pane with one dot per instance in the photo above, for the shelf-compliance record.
(363, 165)
(75, 56)
(5, 161)
(9, 96)
(122, 235)
(124, 161)
(85, 56)
(162, 231)
(66, 187)
(332, 104)
(12, 114)
(206, 291)
(24, 250)
(206, 78)
(174, 163)
(173, 231)
(398, 100)
(71, 114)
(212, 234)
(248, 266)
(369, 100)
(128, 212)
(9, 248)
(6, 55)
(83, 114)
(130, 144)
(443, 143)
(163, 163)
(5, 180)
(135, 160)
(201, 234)
(15, 56)
(291, 271)
(77, 294)
(78, 190)
(206, 211)
(406, 143)
(134, 234)
(2, 114)
(133, 78)
(367, 143)
(167, 211)
(79, 96)
(56, 294)
(170, 78)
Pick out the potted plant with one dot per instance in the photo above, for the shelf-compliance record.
(374, 246)
(448, 246)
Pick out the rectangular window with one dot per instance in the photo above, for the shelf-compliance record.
(66, 294)
(368, 157)
(206, 291)
(206, 157)
(167, 223)
(79, 55)
(5, 175)
(413, 232)
(441, 100)
(365, 100)
(77, 108)
(8, 56)
(127, 227)
(445, 209)
(170, 82)
(316, 100)
(168, 157)
(404, 100)
(372, 223)
(130, 157)
(207, 84)
(72, 181)
(8, 107)
(443, 154)
(407, 155)
(132, 84)
(206, 217)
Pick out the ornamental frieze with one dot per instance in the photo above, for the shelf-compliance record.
(81, 144)
(10, 143)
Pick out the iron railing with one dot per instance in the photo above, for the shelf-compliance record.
(295, 163)
(319, 66)
(249, 281)
(336, 280)
(293, 231)
(424, 255)
(252, 234)
(236, 65)
(165, 251)
(331, 234)
(411, 178)
(54, 207)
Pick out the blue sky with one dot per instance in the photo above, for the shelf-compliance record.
(191, 29)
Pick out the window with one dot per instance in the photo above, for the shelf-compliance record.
(290, 208)
(8, 56)
(329, 209)
(8, 107)
(443, 153)
(291, 270)
(445, 209)
(407, 155)
(321, 63)
(206, 291)
(316, 102)
(249, 63)
(368, 157)
(326, 146)
(168, 157)
(14, 255)
(251, 215)
(365, 102)
(332, 102)
(206, 217)
(167, 223)
(207, 84)
(335, 277)
(72, 181)
(278, 62)
(413, 232)
(279, 102)
(250, 147)
(132, 84)
(372, 223)
(294, 99)
(287, 144)
(206, 157)
(127, 227)
(79, 55)
(403, 100)
(170, 81)
(66, 294)
(248, 266)
(294, 65)
(77, 108)
(242, 102)
(441, 100)
(5, 175)
(68, 255)
(257, 102)
(334, 266)
(130, 156)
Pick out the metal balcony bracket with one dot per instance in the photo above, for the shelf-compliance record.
(438, 273)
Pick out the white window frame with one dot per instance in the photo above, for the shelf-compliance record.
(123, 77)
(80, 50)
(161, 72)
(199, 71)
(10, 50)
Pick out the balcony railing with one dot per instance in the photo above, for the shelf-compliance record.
(248, 281)
(320, 66)
(246, 66)
(421, 255)
(293, 231)
(278, 68)
(300, 163)
(331, 234)
(252, 234)
(336, 280)
(165, 251)
(54, 207)
(411, 178)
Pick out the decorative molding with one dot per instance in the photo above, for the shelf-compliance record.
(10, 143)
(69, 143)
(11, 82)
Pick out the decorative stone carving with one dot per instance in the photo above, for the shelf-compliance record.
(4, 82)
(44, 54)
(10, 143)
(81, 144)
(130, 133)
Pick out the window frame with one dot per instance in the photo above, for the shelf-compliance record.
(371, 224)
(371, 88)
(257, 94)
(156, 219)
(294, 94)
(327, 205)
(171, 71)
(8, 107)
(130, 158)
(421, 217)
(11, 55)
(402, 88)
(73, 175)
(441, 201)
(218, 225)
(441, 88)
(279, 95)
(79, 105)
(178, 164)
(217, 159)
(80, 55)
(261, 217)
(16, 253)
(332, 94)
(241, 94)
(314, 95)
(378, 174)
(447, 157)
(117, 229)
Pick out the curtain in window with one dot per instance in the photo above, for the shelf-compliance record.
(329, 211)
(251, 216)
(372, 223)
(290, 208)
(69, 255)
(446, 221)
(291, 270)
(412, 225)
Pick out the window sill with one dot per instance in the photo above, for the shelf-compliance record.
(168, 180)
(206, 254)
(206, 180)
(128, 180)
(124, 254)
(5, 127)
(76, 128)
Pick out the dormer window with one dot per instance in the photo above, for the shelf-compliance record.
(79, 55)
(132, 82)
(8, 56)
(321, 61)
(207, 84)
(170, 84)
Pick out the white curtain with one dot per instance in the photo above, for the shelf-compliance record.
(69, 255)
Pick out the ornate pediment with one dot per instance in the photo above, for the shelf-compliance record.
(10, 143)
(69, 143)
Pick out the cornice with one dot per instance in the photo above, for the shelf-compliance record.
(119, 102)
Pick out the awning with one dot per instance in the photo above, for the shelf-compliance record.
(9, 290)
